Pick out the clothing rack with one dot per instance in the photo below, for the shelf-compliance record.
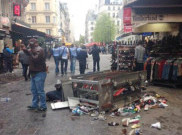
(166, 72)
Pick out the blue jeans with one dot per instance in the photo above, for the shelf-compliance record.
(56, 60)
(175, 72)
(72, 65)
(165, 72)
(37, 88)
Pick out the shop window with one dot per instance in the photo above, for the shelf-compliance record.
(47, 19)
(48, 31)
(34, 19)
(92, 28)
(47, 6)
(33, 6)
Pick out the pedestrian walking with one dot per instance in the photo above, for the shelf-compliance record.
(8, 58)
(95, 51)
(23, 58)
(73, 57)
(38, 76)
(64, 55)
(139, 57)
(82, 58)
(56, 53)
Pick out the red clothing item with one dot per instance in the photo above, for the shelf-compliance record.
(160, 68)
(119, 92)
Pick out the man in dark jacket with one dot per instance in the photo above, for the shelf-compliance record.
(96, 58)
(82, 58)
(38, 76)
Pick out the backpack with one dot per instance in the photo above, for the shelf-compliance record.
(6, 53)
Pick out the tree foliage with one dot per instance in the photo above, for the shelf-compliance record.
(105, 29)
(80, 41)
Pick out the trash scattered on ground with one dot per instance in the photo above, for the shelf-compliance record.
(125, 122)
(135, 126)
(124, 131)
(113, 124)
(6, 99)
(156, 125)
(59, 105)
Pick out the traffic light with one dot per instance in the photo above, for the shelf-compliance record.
(16, 10)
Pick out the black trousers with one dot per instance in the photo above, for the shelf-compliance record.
(82, 66)
(96, 62)
(139, 67)
(25, 69)
(64, 65)
(8, 64)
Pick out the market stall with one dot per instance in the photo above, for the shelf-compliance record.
(106, 87)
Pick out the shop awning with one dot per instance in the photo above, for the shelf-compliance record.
(156, 27)
(27, 32)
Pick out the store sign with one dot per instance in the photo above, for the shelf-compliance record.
(127, 16)
(5, 21)
(16, 10)
(128, 28)
(157, 18)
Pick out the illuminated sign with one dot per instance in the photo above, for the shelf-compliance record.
(16, 10)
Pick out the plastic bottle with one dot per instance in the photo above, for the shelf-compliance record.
(6, 99)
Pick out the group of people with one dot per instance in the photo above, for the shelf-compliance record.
(63, 54)
(34, 58)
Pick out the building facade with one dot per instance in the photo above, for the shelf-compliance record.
(43, 15)
(65, 24)
(114, 9)
(8, 16)
(90, 26)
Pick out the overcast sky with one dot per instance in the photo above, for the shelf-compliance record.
(78, 10)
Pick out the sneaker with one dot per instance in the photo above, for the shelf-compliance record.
(113, 124)
(42, 109)
(31, 108)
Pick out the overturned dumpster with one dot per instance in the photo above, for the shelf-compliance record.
(104, 88)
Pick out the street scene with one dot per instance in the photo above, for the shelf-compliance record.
(90, 67)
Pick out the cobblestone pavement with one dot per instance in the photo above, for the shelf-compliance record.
(15, 119)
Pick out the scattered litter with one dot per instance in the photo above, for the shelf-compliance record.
(77, 111)
(125, 122)
(59, 105)
(135, 126)
(134, 121)
(156, 125)
(95, 114)
(6, 99)
(113, 124)
(124, 131)
(102, 117)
